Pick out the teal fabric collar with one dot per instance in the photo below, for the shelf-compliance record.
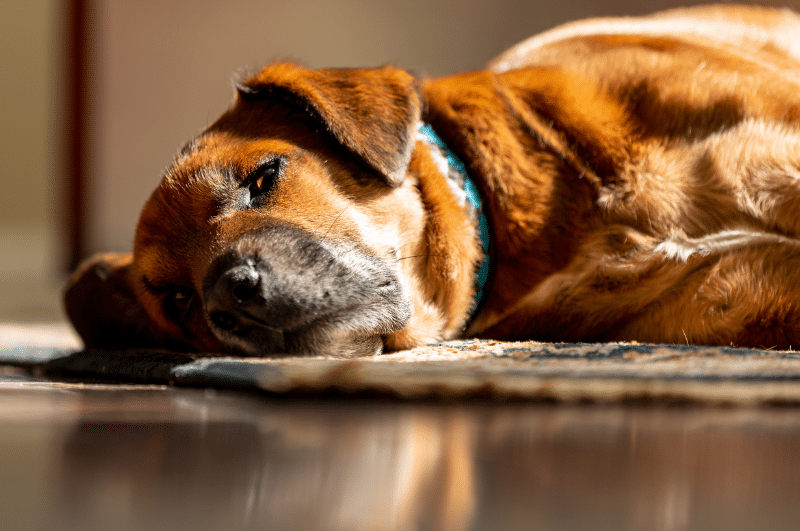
(452, 168)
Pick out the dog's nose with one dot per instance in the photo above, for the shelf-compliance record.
(241, 282)
(234, 289)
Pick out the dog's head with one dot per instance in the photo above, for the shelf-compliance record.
(280, 229)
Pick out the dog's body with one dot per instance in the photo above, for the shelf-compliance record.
(641, 178)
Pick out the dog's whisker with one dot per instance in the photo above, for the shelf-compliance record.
(421, 256)
(333, 223)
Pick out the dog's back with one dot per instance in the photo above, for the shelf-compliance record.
(749, 31)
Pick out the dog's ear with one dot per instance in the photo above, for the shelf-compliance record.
(372, 112)
(100, 302)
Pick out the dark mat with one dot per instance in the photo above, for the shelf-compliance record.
(608, 372)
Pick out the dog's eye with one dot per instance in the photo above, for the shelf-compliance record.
(176, 303)
(262, 179)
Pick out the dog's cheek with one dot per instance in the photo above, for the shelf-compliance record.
(395, 225)
(406, 217)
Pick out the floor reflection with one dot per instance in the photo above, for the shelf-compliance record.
(158, 458)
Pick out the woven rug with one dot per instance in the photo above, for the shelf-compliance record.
(483, 370)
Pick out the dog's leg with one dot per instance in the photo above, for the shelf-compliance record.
(742, 289)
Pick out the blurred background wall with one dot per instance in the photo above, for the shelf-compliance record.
(158, 71)
(29, 247)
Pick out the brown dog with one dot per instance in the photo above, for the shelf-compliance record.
(640, 177)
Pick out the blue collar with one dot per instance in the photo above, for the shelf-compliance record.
(462, 185)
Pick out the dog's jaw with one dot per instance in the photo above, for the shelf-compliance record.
(338, 343)
(307, 342)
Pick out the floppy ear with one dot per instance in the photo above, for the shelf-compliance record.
(100, 302)
(372, 112)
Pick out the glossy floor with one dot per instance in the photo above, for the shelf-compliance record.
(121, 457)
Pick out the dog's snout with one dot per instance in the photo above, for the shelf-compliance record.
(280, 288)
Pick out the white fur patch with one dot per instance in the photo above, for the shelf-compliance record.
(681, 247)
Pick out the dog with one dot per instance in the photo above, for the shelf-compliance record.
(630, 179)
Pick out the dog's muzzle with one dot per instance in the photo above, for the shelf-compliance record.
(279, 290)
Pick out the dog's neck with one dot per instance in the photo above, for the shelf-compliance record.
(465, 190)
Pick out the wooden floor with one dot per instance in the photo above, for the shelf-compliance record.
(81, 457)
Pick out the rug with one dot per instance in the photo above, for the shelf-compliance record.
(468, 369)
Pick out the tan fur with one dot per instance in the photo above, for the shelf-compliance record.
(641, 178)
